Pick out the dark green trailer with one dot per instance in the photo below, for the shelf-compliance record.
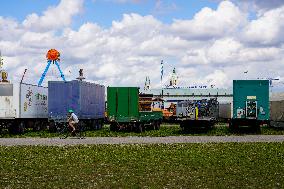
(250, 103)
(125, 110)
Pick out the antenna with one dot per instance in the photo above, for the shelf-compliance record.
(23, 75)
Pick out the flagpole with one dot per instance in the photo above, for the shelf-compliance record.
(162, 73)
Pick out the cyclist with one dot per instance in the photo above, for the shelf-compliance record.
(72, 120)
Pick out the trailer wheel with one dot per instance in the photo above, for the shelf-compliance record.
(101, 124)
(52, 127)
(231, 126)
(37, 126)
(21, 128)
(139, 127)
(113, 127)
(158, 125)
(256, 126)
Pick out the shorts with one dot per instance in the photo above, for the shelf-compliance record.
(73, 122)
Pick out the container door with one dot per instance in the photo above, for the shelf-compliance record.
(123, 101)
(111, 102)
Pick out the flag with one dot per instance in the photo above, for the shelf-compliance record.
(162, 70)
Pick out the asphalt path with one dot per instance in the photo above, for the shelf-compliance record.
(138, 140)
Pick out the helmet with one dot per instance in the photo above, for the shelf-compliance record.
(70, 111)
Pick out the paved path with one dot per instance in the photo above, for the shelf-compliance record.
(139, 140)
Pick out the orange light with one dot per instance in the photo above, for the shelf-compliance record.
(53, 55)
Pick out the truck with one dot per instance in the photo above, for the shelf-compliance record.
(197, 113)
(250, 103)
(129, 110)
(23, 106)
(86, 99)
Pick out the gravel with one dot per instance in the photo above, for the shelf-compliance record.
(138, 140)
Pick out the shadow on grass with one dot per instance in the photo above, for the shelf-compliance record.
(246, 130)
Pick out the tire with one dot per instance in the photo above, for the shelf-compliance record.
(231, 126)
(158, 125)
(81, 130)
(256, 127)
(20, 129)
(52, 127)
(37, 126)
(101, 124)
(94, 125)
(113, 127)
(139, 128)
(63, 131)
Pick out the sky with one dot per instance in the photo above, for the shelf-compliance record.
(120, 42)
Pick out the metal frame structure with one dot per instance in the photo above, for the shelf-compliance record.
(46, 69)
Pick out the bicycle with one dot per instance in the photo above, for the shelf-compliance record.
(64, 130)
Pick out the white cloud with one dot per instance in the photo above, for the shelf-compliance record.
(225, 50)
(267, 29)
(54, 17)
(262, 4)
(210, 23)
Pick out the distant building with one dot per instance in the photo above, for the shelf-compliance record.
(172, 93)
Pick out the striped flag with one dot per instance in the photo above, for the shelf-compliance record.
(162, 70)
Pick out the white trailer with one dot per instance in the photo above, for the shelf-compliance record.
(23, 105)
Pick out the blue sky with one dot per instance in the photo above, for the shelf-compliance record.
(104, 12)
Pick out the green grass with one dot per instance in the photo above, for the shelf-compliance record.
(231, 165)
(166, 130)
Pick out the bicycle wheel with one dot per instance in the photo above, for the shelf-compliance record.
(81, 131)
(63, 131)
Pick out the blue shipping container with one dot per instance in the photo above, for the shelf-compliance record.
(87, 100)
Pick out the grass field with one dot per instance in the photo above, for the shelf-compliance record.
(166, 130)
(231, 165)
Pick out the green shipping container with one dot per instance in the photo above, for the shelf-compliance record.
(122, 104)
(251, 100)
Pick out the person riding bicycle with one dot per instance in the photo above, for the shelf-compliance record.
(72, 120)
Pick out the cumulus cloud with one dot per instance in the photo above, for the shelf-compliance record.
(267, 29)
(214, 47)
(209, 23)
(263, 4)
(54, 17)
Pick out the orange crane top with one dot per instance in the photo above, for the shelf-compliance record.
(53, 55)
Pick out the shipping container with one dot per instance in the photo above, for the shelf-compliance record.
(87, 100)
(23, 105)
(129, 110)
(197, 113)
(250, 103)
(122, 104)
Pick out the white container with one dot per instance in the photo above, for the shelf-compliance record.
(7, 110)
(26, 102)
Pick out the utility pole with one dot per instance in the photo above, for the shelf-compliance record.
(23, 76)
